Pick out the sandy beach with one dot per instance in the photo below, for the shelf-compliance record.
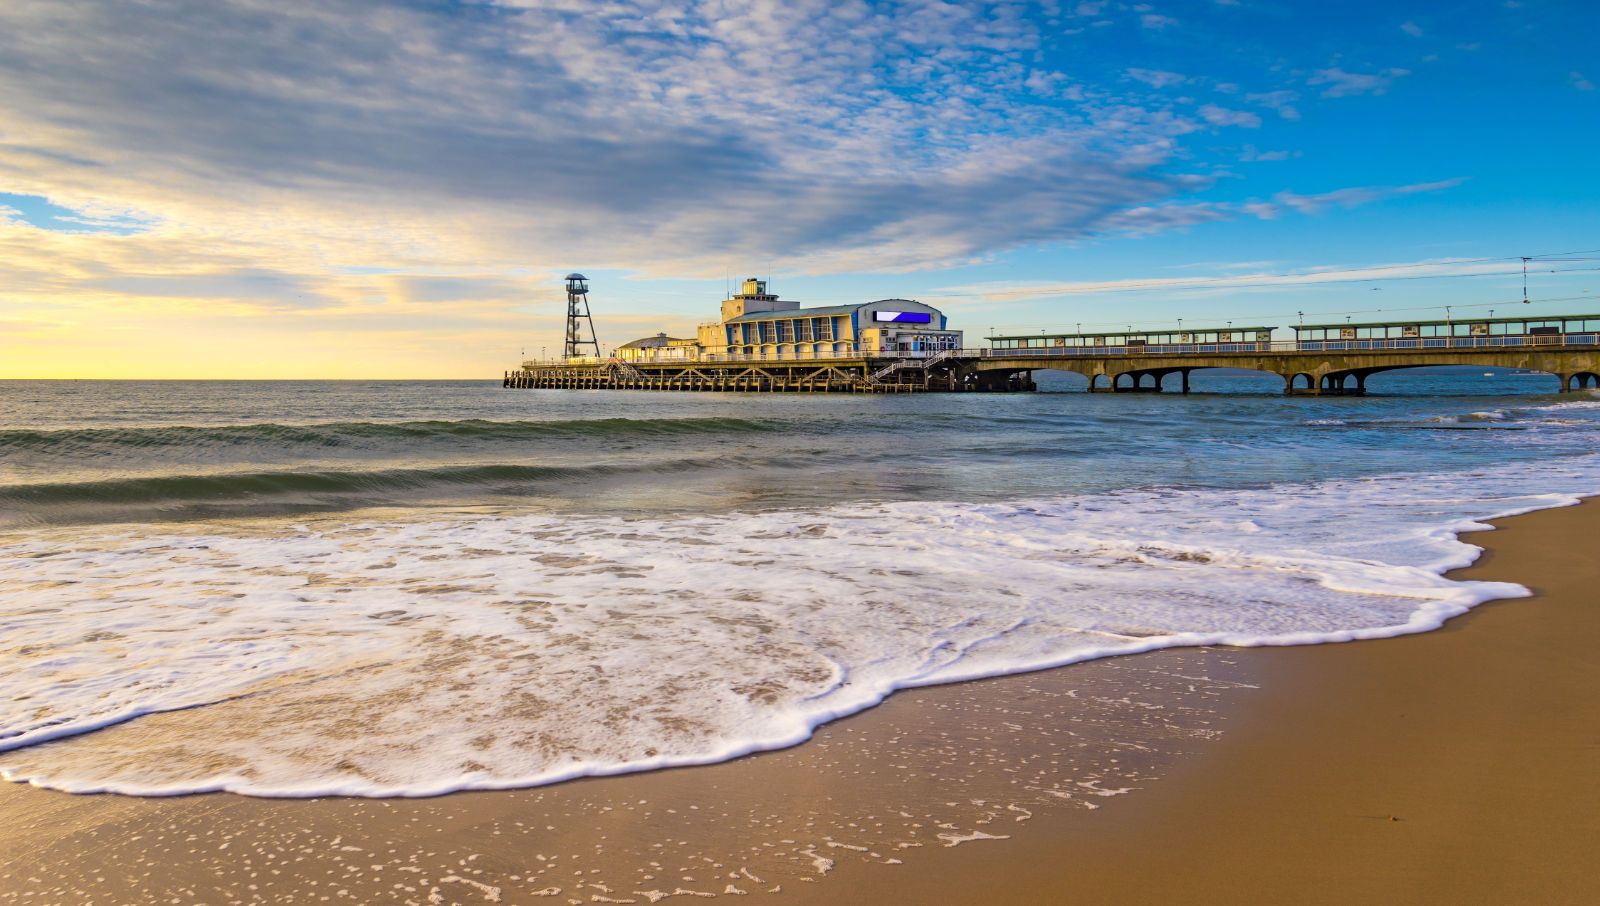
(1454, 766)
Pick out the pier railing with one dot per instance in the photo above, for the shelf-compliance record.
(1399, 344)
(1403, 344)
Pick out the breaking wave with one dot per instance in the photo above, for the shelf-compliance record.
(421, 656)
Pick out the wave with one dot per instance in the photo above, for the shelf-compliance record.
(278, 492)
(417, 657)
(198, 488)
(115, 441)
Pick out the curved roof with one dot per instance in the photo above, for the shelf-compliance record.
(659, 339)
(791, 313)
(576, 277)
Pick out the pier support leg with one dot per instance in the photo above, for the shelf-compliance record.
(1185, 373)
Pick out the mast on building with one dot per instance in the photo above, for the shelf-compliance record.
(578, 318)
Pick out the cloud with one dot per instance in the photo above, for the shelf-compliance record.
(1360, 195)
(1280, 102)
(1327, 274)
(1252, 155)
(1156, 21)
(1157, 78)
(1579, 82)
(633, 134)
(1348, 84)
(1221, 116)
(1177, 215)
(1412, 29)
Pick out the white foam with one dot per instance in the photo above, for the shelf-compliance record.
(475, 651)
(1569, 405)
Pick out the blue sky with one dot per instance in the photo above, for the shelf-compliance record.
(357, 188)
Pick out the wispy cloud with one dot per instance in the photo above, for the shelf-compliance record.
(1312, 276)
(1348, 84)
(1252, 154)
(1579, 81)
(1280, 102)
(1157, 78)
(1351, 197)
(1222, 116)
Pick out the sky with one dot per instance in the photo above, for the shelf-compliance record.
(360, 189)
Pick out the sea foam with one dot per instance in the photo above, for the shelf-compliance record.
(375, 656)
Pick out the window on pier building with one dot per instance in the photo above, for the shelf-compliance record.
(824, 328)
(768, 332)
(785, 331)
(804, 328)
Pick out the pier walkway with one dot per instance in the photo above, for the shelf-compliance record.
(1311, 367)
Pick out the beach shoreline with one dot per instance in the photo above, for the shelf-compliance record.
(1454, 765)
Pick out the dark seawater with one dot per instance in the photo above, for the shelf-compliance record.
(504, 588)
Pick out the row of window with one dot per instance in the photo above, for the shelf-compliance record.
(1455, 329)
(791, 330)
(1172, 339)
(1347, 332)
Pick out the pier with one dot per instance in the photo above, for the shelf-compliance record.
(1321, 360)
(764, 343)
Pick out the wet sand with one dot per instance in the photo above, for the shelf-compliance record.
(1457, 766)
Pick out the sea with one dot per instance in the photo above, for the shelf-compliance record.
(309, 588)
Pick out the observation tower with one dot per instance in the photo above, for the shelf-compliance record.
(578, 316)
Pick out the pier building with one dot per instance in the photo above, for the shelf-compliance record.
(1238, 338)
(1516, 331)
(758, 325)
(660, 348)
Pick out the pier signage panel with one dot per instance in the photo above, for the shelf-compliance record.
(903, 317)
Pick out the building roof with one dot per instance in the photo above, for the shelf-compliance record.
(783, 315)
(1162, 332)
(1468, 319)
(659, 339)
(821, 312)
